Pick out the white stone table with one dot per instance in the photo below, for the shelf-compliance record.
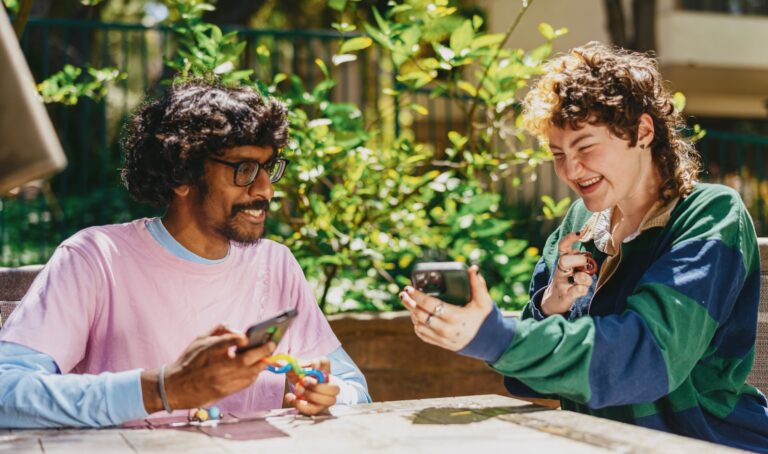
(472, 424)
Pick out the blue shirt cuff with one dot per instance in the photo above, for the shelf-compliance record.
(125, 401)
(493, 337)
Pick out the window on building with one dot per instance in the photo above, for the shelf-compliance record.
(735, 7)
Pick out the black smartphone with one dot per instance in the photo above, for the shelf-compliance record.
(448, 281)
(271, 329)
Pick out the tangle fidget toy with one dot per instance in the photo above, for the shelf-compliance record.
(281, 364)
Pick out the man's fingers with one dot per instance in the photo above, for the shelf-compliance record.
(318, 398)
(220, 329)
(307, 408)
(322, 364)
(255, 355)
(227, 340)
(311, 383)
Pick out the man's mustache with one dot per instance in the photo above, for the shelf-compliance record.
(255, 205)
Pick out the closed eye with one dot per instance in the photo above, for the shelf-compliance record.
(587, 147)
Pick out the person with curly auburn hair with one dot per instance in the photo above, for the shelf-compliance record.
(110, 330)
(644, 304)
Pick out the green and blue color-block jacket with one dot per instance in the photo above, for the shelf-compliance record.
(665, 338)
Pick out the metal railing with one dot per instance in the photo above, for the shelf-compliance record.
(735, 7)
(88, 192)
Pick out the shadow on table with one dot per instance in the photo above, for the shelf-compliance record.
(443, 415)
(251, 426)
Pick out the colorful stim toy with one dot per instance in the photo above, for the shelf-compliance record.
(281, 364)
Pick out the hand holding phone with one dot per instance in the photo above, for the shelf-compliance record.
(271, 329)
(447, 281)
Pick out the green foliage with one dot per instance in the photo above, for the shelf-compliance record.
(359, 206)
(70, 84)
(12, 5)
(554, 210)
(203, 48)
(359, 210)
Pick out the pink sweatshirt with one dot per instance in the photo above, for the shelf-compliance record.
(112, 299)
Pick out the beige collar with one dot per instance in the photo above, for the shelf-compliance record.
(598, 226)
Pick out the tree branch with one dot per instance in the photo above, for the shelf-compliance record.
(330, 274)
(644, 21)
(476, 98)
(20, 21)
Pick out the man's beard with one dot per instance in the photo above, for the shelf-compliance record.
(231, 230)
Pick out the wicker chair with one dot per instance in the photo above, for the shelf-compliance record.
(759, 375)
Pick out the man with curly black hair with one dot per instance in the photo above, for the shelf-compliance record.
(110, 331)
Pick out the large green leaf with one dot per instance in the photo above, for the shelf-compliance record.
(462, 37)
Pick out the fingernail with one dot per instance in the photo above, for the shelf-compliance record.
(409, 289)
(401, 295)
(578, 233)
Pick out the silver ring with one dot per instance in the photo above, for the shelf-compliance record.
(429, 319)
(564, 270)
(439, 309)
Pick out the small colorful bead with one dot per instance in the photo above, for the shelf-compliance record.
(214, 413)
(201, 415)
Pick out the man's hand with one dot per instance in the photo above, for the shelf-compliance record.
(566, 285)
(310, 397)
(446, 325)
(208, 370)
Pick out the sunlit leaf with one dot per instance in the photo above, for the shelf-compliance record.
(354, 44)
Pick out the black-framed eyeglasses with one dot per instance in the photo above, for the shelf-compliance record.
(247, 171)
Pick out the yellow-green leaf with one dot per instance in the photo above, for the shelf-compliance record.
(678, 101)
(547, 31)
(462, 37)
(354, 44)
(419, 109)
(491, 39)
(467, 87)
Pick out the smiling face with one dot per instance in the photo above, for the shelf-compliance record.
(604, 170)
(222, 209)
